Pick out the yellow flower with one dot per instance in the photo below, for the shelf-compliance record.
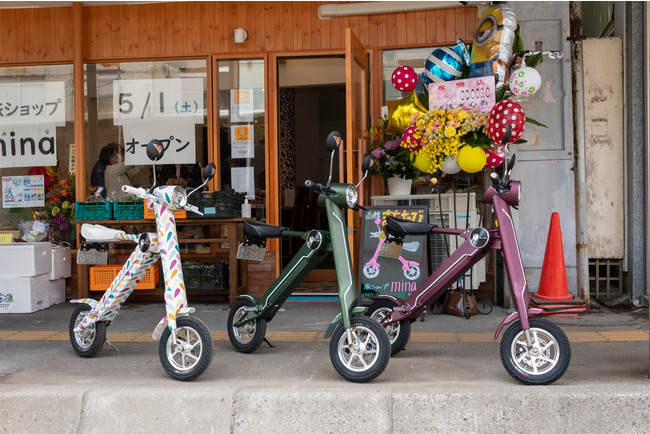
(450, 131)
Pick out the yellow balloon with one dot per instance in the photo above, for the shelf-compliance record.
(423, 163)
(471, 160)
(401, 110)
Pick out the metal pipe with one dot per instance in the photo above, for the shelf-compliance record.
(343, 10)
(582, 239)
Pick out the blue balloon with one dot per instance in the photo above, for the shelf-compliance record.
(446, 63)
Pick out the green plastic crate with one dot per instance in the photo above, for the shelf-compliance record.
(93, 210)
(128, 210)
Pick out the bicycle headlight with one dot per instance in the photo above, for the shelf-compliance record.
(179, 197)
(351, 196)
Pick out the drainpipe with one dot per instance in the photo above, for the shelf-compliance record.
(582, 240)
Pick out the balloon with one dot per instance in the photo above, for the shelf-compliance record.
(471, 160)
(450, 166)
(495, 157)
(444, 64)
(409, 139)
(525, 81)
(504, 114)
(423, 163)
(404, 79)
(493, 42)
(400, 112)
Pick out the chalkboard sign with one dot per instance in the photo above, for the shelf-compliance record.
(395, 276)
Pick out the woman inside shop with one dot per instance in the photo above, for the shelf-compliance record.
(117, 173)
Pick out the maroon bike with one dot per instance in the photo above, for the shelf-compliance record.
(533, 350)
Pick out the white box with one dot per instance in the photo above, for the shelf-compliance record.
(24, 294)
(56, 291)
(61, 262)
(25, 259)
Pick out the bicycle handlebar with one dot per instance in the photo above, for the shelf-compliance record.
(320, 188)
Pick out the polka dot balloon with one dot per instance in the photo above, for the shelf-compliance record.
(495, 156)
(404, 78)
(504, 114)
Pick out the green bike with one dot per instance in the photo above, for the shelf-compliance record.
(359, 346)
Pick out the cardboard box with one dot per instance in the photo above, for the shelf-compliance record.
(25, 259)
(24, 294)
(56, 291)
(61, 262)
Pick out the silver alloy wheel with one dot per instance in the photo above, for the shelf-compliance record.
(392, 329)
(360, 354)
(245, 333)
(541, 358)
(186, 353)
(85, 337)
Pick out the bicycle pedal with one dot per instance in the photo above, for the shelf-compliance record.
(107, 342)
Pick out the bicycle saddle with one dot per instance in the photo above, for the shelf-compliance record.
(257, 230)
(399, 227)
(99, 233)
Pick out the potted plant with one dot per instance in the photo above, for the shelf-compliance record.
(392, 161)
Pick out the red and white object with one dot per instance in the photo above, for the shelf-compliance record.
(404, 78)
(506, 114)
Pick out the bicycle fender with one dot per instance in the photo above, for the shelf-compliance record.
(252, 299)
(354, 311)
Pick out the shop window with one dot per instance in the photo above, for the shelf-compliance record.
(241, 126)
(391, 59)
(36, 133)
(131, 103)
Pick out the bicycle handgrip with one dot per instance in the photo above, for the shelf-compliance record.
(135, 191)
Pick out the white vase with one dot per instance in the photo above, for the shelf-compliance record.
(399, 186)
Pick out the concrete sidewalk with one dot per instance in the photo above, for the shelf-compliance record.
(449, 378)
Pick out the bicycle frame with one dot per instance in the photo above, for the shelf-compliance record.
(162, 245)
(306, 259)
(462, 259)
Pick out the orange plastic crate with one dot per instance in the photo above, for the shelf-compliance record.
(101, 277)
(151, 214)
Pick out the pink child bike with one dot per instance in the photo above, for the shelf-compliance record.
(411, 269)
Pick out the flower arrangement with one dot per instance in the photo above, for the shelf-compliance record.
(435, 135)
(59, 200)
(390, 157)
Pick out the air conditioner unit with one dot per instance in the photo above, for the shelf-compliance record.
(450, 211)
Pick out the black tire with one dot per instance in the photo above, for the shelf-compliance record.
(374, 350)
(532, 369)
(398, 333)
(87, 342)
(249, 337)
(192, 353)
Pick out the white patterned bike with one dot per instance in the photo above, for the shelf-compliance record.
(186, 345)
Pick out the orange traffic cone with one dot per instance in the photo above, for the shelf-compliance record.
(553, 283)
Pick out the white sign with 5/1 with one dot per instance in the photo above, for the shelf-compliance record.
(179, 98)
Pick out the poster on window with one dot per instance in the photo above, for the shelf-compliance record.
(28, 145)
(243, 181)
(241, 105)
(23, 191)
(164, 98)
(177, 137)
(32, 103)
(242, 145)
